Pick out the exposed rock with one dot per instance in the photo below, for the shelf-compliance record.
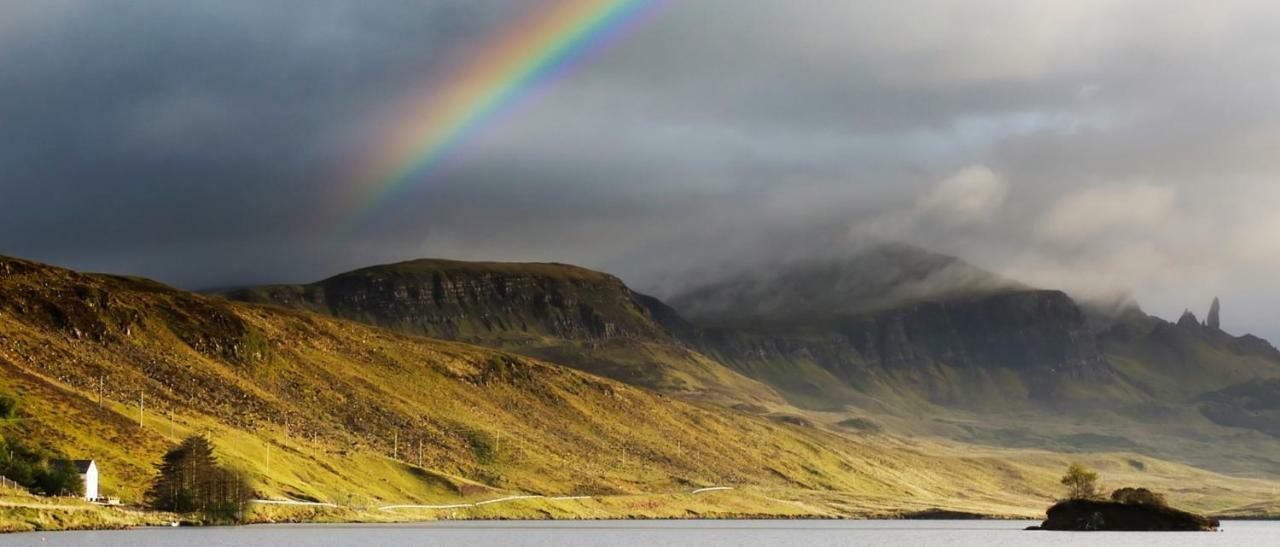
(556, 312)
(1041, 336)
(1108, 516)
(1188, 320)
(1214, 321)
(792, 419)
(470, 301)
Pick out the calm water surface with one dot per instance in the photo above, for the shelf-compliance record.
(646, 533)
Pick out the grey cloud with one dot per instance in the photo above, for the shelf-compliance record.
(203, 142)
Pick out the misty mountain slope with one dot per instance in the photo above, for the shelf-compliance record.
(817, 288)
(1009, 367)
(1180, 361)
(318, 408)
(571, 315)
(909, 323)
(896, 325)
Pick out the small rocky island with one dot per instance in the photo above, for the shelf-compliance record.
(1128, 510)
(1113, 516)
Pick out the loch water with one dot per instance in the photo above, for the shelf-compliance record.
(784, 533)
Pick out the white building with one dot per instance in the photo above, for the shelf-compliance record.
(88, 470)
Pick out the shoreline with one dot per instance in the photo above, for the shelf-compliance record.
(550, 523)
(6, 528)
(45, 515)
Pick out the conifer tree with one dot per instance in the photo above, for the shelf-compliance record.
(191, 481)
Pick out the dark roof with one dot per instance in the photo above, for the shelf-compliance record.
(81, 465)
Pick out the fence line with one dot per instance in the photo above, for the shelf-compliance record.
(5, 482)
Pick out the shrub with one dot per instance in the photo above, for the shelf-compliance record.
(482, 444)
(8, 406)
(1138, 496)
(39, 470)
(59, 478)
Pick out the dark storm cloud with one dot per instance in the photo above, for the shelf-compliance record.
(187, 140)
(1099, 146)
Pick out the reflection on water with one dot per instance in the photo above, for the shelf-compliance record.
(646, 533)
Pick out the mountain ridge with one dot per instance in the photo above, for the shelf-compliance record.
(318, 408)
(989, 354)
(571, 315)
(818, 287)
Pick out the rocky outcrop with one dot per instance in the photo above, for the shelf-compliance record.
(985, 346)
(1214, 321)
(565, 314)
(1107, 516)
(1040, 337)
(1188, 320)
(475, 301)
(1029, 330)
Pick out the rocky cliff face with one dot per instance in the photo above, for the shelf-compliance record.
(1027, 330)
(901, 320)
(570, 315)
(1040, 337)
(475, 301)
(983, 344)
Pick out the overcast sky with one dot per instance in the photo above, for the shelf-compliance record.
(1101, 146)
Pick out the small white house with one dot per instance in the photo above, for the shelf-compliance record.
(88, 470)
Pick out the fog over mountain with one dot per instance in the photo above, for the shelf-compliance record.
(1102, 147)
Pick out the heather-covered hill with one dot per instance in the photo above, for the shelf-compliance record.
(911, 341)
(319, 408)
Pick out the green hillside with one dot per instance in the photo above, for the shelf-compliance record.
(316, 408)
(918, 343)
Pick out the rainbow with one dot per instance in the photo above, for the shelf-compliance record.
(548, 43)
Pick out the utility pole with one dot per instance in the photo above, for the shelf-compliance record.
(141, 405)
(395, 446)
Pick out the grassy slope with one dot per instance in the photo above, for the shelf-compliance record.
(22, 512)
(544, 310)
(316, 408)
(1155, 408)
